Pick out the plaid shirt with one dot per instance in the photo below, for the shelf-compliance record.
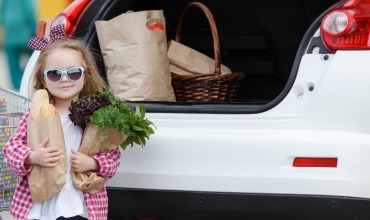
(16, 152)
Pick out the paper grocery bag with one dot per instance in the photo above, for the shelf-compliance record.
(135, 57)
(95, 141)
(186, 61)
(44, 182)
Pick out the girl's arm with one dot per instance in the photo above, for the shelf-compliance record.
(109, 163)
(16, 150)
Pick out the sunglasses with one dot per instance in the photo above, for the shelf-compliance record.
(56, 75)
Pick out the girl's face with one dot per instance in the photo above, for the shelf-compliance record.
(63, 59)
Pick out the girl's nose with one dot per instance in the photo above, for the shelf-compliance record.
(64, 78)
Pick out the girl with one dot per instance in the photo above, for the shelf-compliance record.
(67, 70)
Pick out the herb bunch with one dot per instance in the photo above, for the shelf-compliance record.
(83, 108)
(107, 111)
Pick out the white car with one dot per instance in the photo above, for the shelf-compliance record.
(296, 142)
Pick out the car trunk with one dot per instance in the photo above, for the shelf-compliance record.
(257, 38)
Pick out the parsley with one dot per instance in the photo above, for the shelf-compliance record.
(107, 111)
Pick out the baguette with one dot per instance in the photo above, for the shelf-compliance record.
(47, 110)
(40, 98)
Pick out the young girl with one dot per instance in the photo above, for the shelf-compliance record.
(67, 70)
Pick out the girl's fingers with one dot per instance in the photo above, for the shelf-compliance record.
(53, 149)
(54, 154)
(44, 142)
(54, 159)
(75, 152)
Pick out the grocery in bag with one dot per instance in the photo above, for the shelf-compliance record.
(196, 77)
(134, 48)
(44, 121)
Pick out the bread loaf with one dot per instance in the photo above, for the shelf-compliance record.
(48, 110)
(40, 98)
(44, 121)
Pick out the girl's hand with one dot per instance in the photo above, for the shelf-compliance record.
(46, 157)
(81, 162)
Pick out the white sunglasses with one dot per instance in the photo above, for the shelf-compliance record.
(56, 75)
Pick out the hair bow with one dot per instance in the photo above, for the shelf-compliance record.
(40, 43)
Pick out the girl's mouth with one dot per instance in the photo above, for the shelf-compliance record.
(65, 87)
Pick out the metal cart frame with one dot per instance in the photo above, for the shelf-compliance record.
(12, 107)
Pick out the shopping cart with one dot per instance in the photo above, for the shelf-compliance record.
(12, 107)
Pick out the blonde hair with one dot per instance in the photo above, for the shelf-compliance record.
(93, 81)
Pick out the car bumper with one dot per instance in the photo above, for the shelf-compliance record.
(127, 203)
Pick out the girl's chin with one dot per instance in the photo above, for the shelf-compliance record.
(66, 94)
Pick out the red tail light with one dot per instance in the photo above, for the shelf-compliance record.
(70, 16)
(347, 26)
(42, 28)
(315, 162)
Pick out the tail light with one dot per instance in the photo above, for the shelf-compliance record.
(347, 26)
(43, 28)
(69, 17)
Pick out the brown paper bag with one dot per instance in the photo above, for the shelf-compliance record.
(95, 141)
(135, 57)
(44, 182)
(187, 61)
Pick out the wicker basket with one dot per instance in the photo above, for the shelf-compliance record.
(205, 87)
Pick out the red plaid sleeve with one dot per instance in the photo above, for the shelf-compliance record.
(109, 163)
(97, 204)
(16, 150)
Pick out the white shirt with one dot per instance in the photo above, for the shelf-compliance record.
(69, 201)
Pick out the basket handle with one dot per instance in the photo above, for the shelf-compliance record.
(212, 23)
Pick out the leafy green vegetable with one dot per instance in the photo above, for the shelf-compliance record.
(107, 111)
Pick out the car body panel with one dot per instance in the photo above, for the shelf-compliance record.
(231, 154)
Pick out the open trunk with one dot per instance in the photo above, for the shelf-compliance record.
(258, 38)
